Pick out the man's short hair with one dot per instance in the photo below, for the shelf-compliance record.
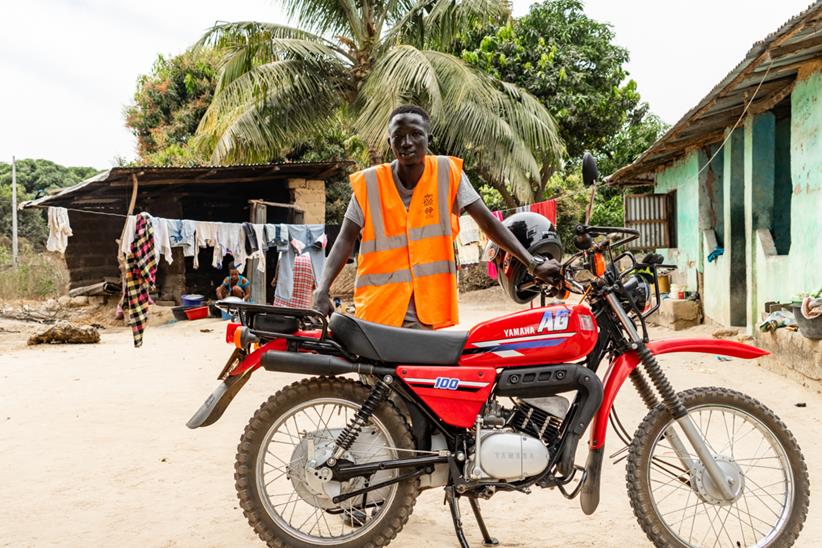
(410, 109)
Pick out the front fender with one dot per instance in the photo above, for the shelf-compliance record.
(627, 362)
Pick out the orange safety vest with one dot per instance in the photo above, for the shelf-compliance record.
(408, 251)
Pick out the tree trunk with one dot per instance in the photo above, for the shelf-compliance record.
(509, 199)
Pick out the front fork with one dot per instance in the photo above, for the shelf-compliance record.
(674, 405)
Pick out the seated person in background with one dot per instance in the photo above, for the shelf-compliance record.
(234, 285)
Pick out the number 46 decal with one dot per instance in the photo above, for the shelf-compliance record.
(446, 383)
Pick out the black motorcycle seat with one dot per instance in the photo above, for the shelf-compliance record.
(396, 344)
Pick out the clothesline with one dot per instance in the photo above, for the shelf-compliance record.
(509, 209)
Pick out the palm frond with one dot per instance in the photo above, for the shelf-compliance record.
(290, 98)
(438, 22)
(329, 17)
(403, 74)
(473, 115)
(249, 44)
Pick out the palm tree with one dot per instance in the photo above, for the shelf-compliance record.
(360, 59)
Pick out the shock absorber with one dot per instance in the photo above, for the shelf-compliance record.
(349, 434)
(669, 397)
(644, 389)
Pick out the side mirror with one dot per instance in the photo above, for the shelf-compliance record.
(590, 173)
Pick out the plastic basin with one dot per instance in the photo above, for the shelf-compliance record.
(811, 329)
(197, 312)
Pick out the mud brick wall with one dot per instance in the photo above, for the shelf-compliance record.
(91, 254)
(309, 195)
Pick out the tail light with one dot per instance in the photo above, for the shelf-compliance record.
(229, 331)
(244, 338)
(599, 264)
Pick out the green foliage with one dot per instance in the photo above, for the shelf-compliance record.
(565, 59)
(37, 176)
(34, 178)
(168, 105)
(279, 85)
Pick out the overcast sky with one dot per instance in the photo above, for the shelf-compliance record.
(70, 66)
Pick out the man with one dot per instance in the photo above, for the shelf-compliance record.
(234, 285)
(406, 214)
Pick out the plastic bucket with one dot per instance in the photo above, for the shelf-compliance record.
(192, 300)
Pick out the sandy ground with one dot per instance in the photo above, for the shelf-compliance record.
(95, 451)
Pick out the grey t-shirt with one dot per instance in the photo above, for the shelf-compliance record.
(466, 195)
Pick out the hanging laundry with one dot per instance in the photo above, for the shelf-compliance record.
(468, 241)
(162, 243)
(127, 236)
(206, 236)
(230, 241)
(302, 287)
(309, 238)
(181, 234)
(547, 209)
(255, 243)
(276, 236)
(59, 229)
(523, 209)
(141, 270)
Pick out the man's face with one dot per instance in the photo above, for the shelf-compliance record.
(409, 137)
(234, 274)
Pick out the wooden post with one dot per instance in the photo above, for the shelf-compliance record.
(13, 211)
(121, 261)
(257, 277)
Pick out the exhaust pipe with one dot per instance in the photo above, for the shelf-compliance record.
(315, 364)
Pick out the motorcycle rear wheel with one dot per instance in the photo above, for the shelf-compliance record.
(678, 508)
(274, 526)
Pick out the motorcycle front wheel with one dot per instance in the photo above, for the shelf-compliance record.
(678, 506)
(286, 493)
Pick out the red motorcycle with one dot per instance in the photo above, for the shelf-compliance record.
(333, 461)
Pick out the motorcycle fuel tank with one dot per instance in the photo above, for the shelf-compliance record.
(551, 334)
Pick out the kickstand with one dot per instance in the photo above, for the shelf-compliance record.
(487, 540)
(455, 516)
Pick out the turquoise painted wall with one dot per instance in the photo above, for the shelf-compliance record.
(758, 266)
(806, 175)
(683, 177)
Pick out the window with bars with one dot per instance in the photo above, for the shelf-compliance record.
(654, 215)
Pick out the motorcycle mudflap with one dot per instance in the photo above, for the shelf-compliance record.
(216, 404)
(455, 394)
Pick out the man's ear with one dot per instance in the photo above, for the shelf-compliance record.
(430, 139)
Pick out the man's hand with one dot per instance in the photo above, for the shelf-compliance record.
(322, 302)
(548, 271)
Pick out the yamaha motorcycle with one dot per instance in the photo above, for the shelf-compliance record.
(339, 457)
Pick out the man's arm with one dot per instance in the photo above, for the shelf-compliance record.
(340, 252)
(503, 237)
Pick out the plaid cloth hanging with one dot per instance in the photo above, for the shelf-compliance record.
(304, 284)
(141, 269)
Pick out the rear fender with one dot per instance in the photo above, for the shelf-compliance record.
(236, 377)
(623, 365)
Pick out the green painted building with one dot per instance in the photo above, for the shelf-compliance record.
(732, 193)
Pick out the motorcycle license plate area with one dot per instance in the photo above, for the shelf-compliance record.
(455, 394)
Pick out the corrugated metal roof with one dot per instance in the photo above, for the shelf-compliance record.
(764, 77)
(154, 176)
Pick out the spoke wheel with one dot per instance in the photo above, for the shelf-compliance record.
(286, 493)
(678, 506)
